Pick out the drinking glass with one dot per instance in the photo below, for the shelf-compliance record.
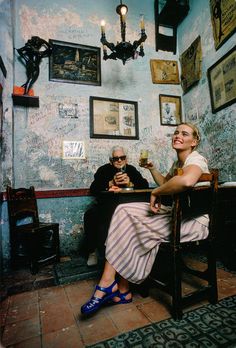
(143, 157)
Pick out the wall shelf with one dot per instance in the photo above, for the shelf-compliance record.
(25, 100)
(170, 16)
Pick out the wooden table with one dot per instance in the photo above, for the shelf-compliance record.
(226, 227)
(125, 196)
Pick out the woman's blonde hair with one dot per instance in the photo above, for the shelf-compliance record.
(196, 133)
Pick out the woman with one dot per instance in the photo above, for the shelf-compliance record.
(137, 229)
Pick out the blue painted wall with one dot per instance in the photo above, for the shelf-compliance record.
(218, 130)
(32, 146)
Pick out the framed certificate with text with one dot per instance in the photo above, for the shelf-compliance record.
(222, 81)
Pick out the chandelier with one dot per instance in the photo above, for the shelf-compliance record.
(123, 50)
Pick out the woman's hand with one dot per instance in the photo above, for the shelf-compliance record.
(155, 202)
(149, 165)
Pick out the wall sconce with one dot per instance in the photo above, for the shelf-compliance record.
(123, 50)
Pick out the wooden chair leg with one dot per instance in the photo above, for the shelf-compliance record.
(56, 243)
(212, 276)
(143, 288)
(33, 246)
(177, 287)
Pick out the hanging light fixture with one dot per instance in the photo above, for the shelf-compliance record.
(123, 50)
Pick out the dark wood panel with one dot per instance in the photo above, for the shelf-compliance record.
(57, 193)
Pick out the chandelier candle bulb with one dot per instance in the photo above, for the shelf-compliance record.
(103, 23)
(142, 22)
(123, 12)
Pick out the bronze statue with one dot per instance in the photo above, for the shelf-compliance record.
(34, 50)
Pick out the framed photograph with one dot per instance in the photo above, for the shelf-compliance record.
(113, 118)
(73, 149)
(74, 63)
(170, 110)
(164, 71)
(222, 81)
(191, 65)
(66, 110)
(223, 19)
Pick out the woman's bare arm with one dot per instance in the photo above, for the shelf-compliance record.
(176, 184)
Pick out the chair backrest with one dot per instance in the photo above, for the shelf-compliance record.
(199, 200)
(22, 204)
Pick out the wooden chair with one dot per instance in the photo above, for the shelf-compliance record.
(196, 201)
(36, 241)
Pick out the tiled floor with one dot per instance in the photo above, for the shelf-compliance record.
(50, 317)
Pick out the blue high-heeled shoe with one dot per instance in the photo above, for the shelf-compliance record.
(95, 303)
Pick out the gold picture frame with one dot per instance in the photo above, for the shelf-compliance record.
(164, 71)
(170, 110)
(191, 65)
(223, 19)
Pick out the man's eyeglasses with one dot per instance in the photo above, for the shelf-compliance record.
(117, 158)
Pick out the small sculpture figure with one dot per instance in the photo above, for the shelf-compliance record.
(33, 53)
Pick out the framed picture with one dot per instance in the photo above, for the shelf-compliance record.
(67, 110)
(73, 150)
(164, 71)
(113, 118)
(170, 110)
(222, 81)
(75, 63)
(223, 19)
(191, 65)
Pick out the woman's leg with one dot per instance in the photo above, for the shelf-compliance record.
(108, 277)
(104, 291)
(123, 289)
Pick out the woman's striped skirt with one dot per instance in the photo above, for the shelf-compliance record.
(135, 234)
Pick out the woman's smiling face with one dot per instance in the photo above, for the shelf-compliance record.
(183, 138)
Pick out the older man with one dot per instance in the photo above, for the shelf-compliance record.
(111, 177)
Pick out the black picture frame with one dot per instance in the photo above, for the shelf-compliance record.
(170, 110)
(113, 118)
(75, 63)
(222, 81)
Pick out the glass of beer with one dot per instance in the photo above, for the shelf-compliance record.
(143, 157)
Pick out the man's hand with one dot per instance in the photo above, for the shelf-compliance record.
(115, 188)
(121, 179)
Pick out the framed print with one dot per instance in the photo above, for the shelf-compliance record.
(170, 110)
(191, 65)
(222, 81)
(74, 63)
(223, 19)
(113, 118)
(73, 150)
(66, 110)
(164, 71)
